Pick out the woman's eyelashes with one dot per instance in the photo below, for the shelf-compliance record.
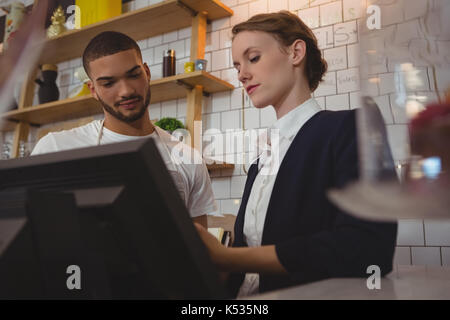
(254, 59)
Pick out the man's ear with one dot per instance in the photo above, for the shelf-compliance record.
(147, 71)
(298, 52)
(92, 89)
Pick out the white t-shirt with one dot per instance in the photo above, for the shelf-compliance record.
(191, 179)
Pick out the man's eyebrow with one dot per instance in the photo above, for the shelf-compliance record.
(110, 78)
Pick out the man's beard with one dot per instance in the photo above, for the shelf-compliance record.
(128, 119)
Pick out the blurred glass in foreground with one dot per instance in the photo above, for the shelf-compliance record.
(405, 80)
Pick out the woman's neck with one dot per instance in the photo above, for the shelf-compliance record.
(291, 103)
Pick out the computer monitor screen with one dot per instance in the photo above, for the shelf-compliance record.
(100, 222)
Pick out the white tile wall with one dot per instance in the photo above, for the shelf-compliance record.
(445, 251)
(335, 24)
(410, 233)
(337, 102)
(348, 80)
(330, 13)
(310, 17)
(402, 256)
(437, 233)
(336, 58)
(427, 256)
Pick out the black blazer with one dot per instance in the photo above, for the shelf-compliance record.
(314, 239)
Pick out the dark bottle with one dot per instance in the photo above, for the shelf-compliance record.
(169, 63)
(48, 90)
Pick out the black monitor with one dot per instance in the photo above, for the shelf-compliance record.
(99, 223)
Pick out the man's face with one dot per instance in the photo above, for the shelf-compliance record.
(121, 82)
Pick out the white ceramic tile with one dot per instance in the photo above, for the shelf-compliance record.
(230, 76)
(169, 109)
(319, 2)
(330, 13)
(353, 9)
(391, 12)
(387, 83)
(148, 55)
(251, 120)
(181, 107)
(221, 23)
(179, 65)
(212, 41)
(257, 7)
(369, 87)
(325, 37)
(402, 256)
(240, 15)
(221, 187)
(225, 38)
(185, 33)
(310, 17)
(445, 252)
(231, 206)
(142, 44)
(298, 4)
(437, 233)
(139, 4)
(327, 86)
(154, 110)
(221, 101)
(154, 41)
(236, 99)
(336, 58)
(426, 256)
(345, 33)
(237, 186)
(179, 48)
(65, 77)
(212, 121)
(268, 116)
(221, 59)
(230, 3)
(277, 5)
(353, 55)
(231, 120)
(410, 233)
(337, 102)
(348, 80)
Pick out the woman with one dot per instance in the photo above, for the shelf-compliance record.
(287, 232)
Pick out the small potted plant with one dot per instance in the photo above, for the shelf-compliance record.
(169, 124)
(172, 126)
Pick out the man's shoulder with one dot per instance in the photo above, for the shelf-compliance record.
(79, 137)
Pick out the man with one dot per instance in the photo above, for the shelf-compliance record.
(120, 81)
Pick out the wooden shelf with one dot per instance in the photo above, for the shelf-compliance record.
(6, 125)
(219, 166)
(164, 89)
(150, 21)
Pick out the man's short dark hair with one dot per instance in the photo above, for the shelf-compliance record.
(105, 44)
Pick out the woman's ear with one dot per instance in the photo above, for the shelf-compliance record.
(298, 52)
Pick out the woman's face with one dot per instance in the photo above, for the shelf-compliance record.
(265, 70)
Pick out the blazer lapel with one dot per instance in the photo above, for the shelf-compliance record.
(239, 224)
